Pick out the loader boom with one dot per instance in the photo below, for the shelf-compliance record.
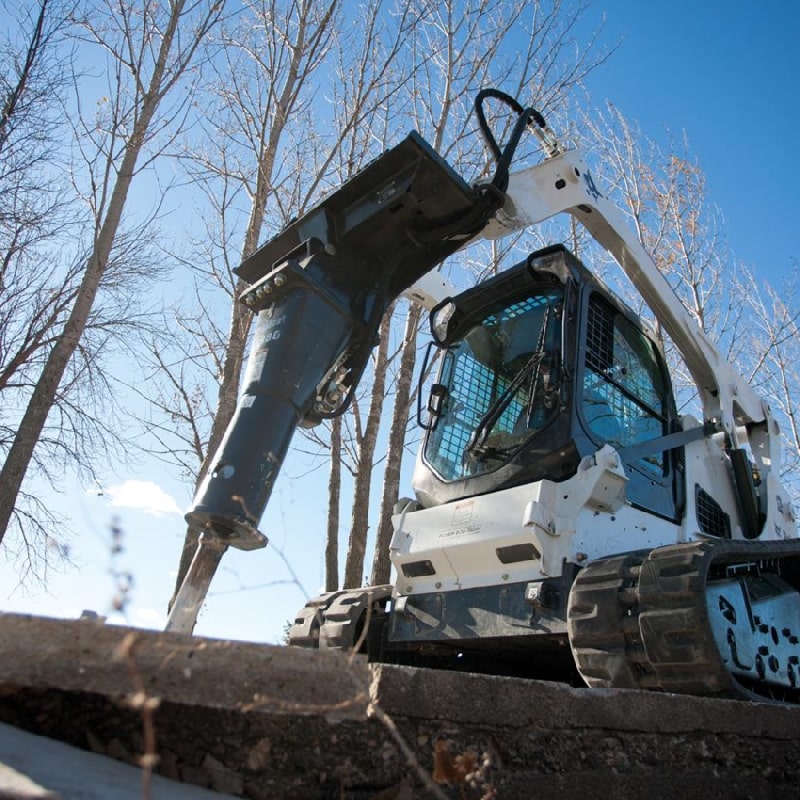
(563, 183)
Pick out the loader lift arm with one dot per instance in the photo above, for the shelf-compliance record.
(563, 183)
(321, 286)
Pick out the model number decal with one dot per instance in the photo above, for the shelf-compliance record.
(461, 522)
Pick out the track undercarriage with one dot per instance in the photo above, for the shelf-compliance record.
(715, 618)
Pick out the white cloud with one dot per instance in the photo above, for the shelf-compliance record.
(148, 618)
(143, 496)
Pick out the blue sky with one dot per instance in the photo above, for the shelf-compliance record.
(725, 73)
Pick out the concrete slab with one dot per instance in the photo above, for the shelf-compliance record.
(515, 703)
(264, 722)
(86, 655)
(35, 768)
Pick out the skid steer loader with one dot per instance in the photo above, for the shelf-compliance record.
(567, 522)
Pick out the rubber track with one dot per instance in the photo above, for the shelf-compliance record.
(333, 620)
(640, 620)
(305, 630)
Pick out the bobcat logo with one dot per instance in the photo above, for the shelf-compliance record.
(590, 186)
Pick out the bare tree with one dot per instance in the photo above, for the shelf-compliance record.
(529, 50)
(662, 190)
(36, 227)
(270, 53)
(297, 153)
(770, 352)
(381, 566)
(150, 50)
(32, 211)
(366, 435)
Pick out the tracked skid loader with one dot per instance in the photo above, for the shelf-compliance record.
(567, 521)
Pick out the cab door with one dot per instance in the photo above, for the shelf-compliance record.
(625, 398)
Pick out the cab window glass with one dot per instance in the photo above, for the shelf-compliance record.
(624, 393)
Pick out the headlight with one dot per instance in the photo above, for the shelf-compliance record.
(440, 319)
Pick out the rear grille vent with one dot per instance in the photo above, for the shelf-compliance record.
(712, 520)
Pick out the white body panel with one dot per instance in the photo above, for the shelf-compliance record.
(578, 520)
(582, 518)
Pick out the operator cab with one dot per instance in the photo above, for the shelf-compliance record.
(540, 367)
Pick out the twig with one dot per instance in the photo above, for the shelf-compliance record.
(378, 713)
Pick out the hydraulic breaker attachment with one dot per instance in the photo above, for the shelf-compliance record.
(297, 337)
(320, 289)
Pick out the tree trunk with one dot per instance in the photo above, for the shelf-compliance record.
(381, 566)
(334, 495)
(359, 526)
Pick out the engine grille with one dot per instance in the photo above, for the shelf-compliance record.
(712, 520)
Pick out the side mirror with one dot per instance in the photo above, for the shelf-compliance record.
(435, 407)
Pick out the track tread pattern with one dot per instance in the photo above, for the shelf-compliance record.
(334, 620)
(606, 648)
(639, 620)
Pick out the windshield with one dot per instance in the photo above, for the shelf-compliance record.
(497, 385)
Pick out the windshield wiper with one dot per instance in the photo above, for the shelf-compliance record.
(477, 442)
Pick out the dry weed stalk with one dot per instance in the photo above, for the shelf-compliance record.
(146, 705)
